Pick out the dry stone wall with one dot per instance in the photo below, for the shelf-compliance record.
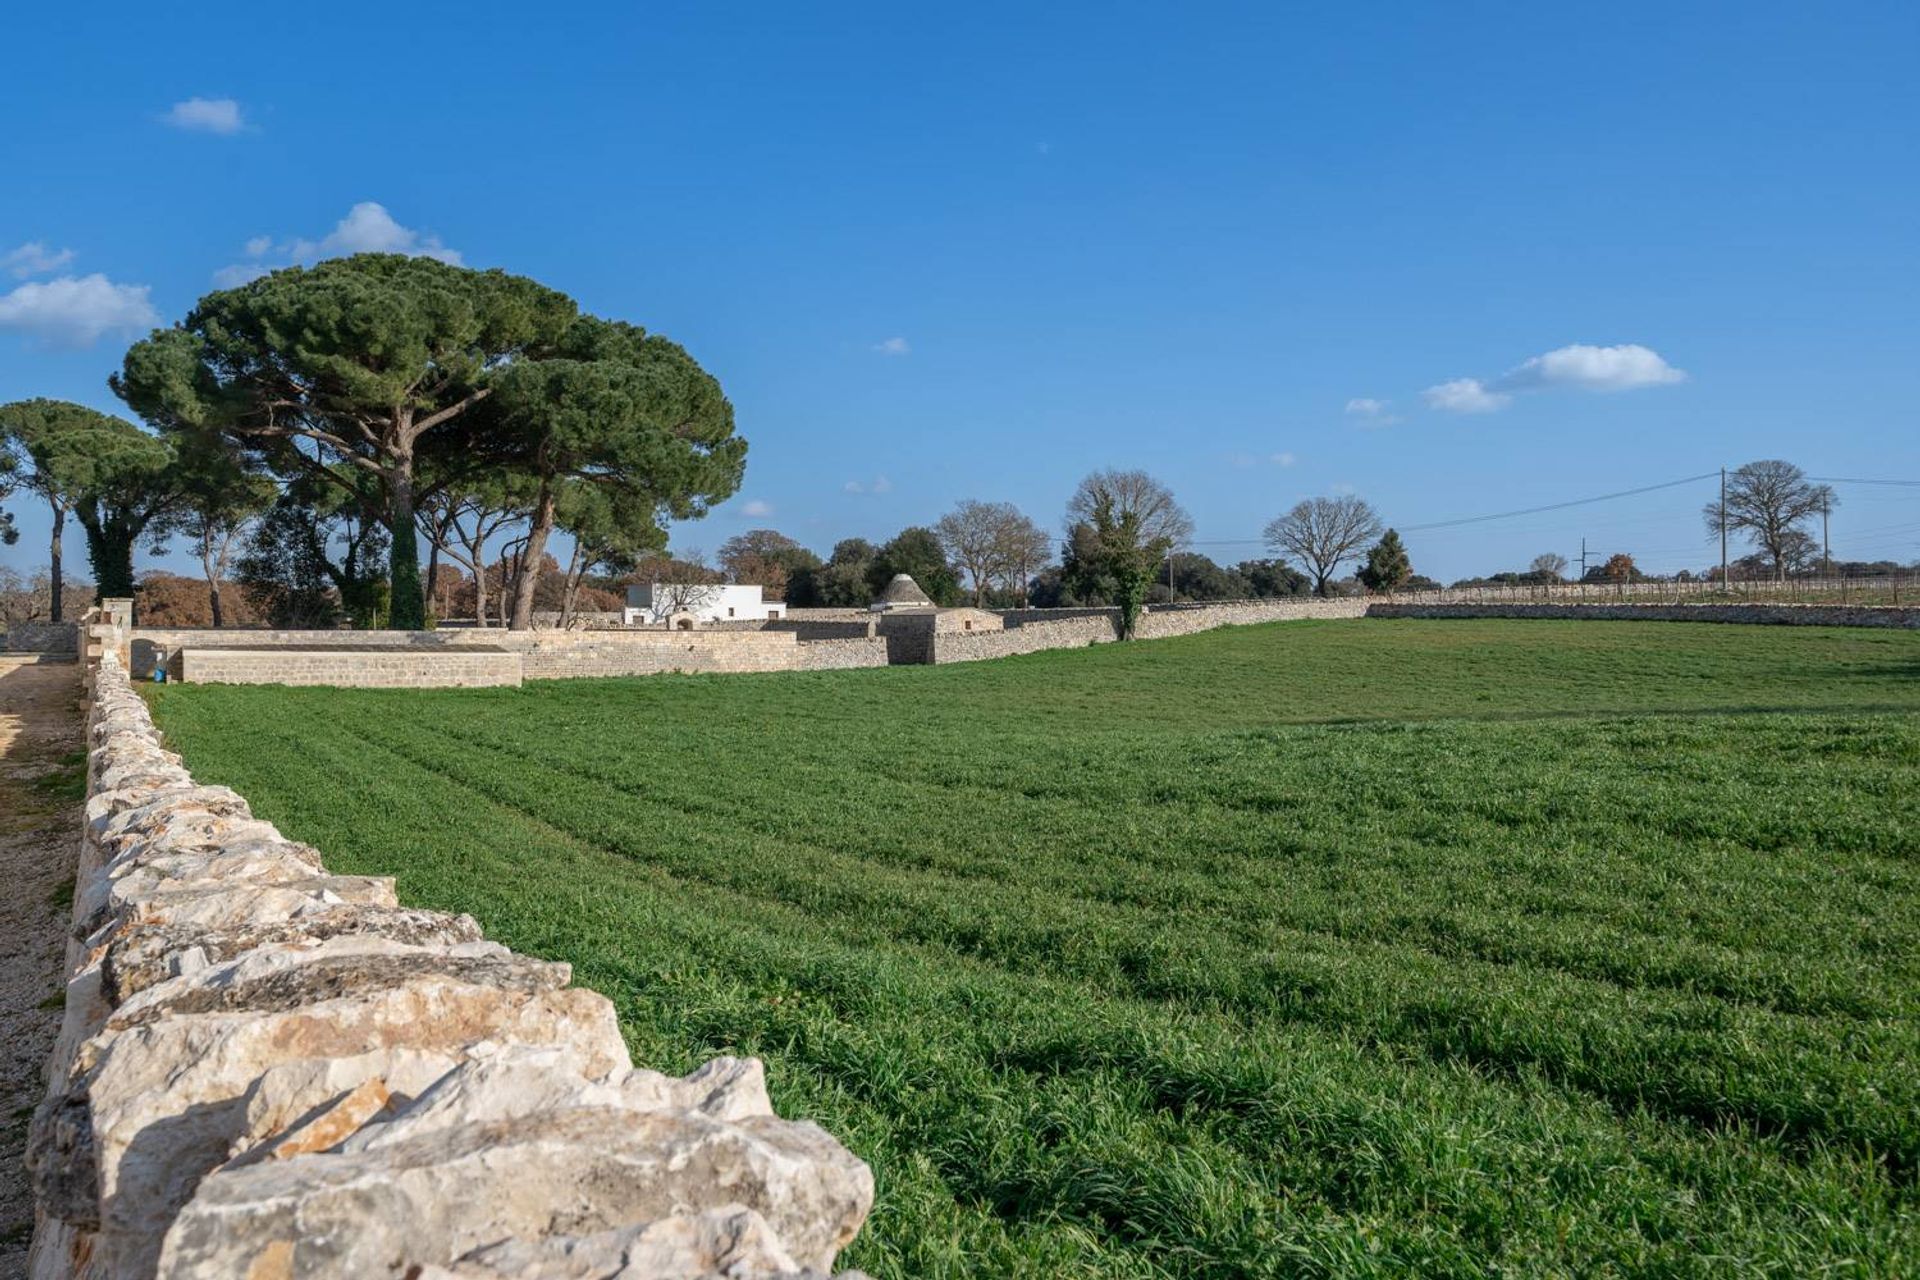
(1031, 630)
(466, 657)
(360, 669)
(270, 1071)
(1185, 619)
(841, 655)
(1804, 615)
(1032, 637)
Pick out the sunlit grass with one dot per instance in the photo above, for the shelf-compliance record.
(1359, 948)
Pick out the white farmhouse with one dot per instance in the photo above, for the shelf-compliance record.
(703, 602)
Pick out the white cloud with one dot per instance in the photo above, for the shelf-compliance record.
(1578, 367)
(893, 347)
(34, 259)
(755, 507)
(1371, 412)
(1465, 395)
(1283, 459)
(853, 486)
(232, 277)
(207, 115)
(879, 484)
(1589, 368)
(76, 311)
(882, 485)
(367, 228)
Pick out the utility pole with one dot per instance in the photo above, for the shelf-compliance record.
(1583, 558)
(1826, 549)
(1726, 583)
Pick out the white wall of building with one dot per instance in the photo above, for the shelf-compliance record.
(720, 602)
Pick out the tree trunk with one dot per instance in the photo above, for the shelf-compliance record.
(433, 570)
(576, 569)
(57, 607)
(530, 557)
(407, 606)
(212, 568)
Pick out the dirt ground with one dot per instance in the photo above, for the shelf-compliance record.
(42, 778)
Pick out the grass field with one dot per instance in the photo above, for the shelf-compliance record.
(1346, 948)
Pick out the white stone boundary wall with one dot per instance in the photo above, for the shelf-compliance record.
(267, 1070)
(1804, 615)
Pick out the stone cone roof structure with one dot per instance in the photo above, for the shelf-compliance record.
(904, 593)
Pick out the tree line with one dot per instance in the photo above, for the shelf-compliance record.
(309, 433)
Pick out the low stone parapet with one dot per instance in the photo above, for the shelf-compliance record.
(267, 1070)
(353, 668)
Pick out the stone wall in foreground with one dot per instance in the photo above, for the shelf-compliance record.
(270, 1071)
(1804, 615)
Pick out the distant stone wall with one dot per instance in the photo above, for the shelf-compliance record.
(267, 1070)
(147, 642)
(1185, 619)
(826, 628)
(375, 669)
(554, 655)
(43, 637)
(1030, 637)
(841, 655)
(453, 657)
(1031, 630)
(1804, 615)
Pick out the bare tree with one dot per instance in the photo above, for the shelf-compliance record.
(1769, 501)
(1320, 534)
(992, 541)
(1133, 497)
(1549, 566)
(684, 584)
(970, 535)
(1026, 548)
(460, 524)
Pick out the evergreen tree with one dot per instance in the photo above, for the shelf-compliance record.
(1387, 567)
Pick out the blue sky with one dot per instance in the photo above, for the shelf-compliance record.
(979, 252)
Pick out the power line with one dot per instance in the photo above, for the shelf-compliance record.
(1561, 506)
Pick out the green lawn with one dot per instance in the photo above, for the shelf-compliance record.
(1344, 948)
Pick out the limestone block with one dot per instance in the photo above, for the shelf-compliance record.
(730, 1240)
(160, 1096)
(440, 1195)
(142, 954)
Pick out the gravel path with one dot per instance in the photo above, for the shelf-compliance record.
(42, 775)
